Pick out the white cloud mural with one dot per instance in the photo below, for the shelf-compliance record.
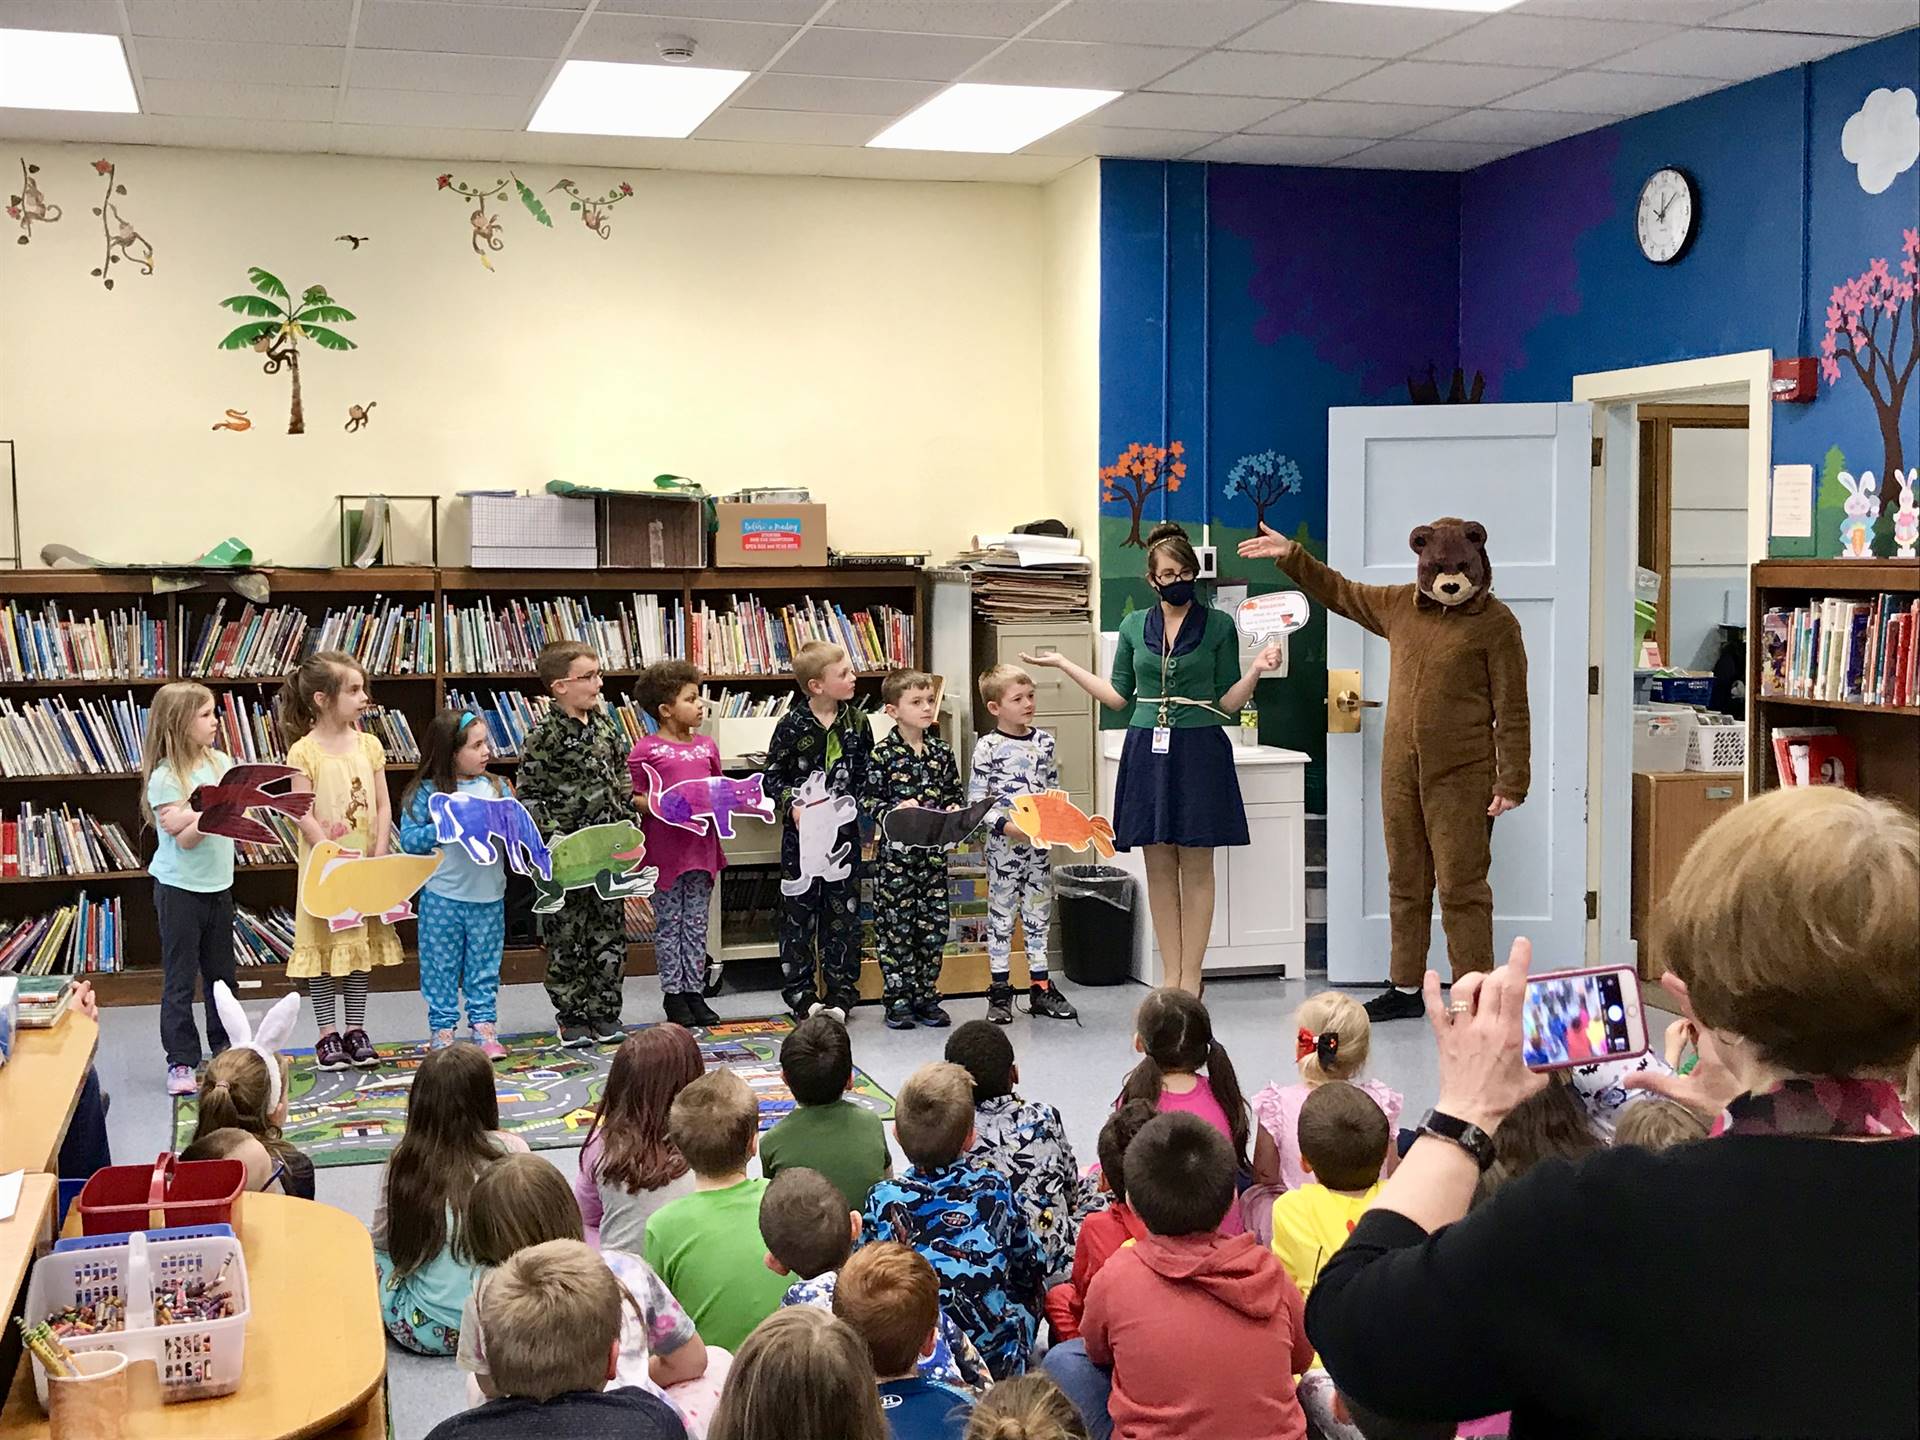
(1882, 138)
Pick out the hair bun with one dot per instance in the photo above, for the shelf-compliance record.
(1166, 530)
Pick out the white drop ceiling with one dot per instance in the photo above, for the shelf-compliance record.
(1300, 82)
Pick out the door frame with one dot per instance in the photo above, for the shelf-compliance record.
(1655, 495)
(1616, 396)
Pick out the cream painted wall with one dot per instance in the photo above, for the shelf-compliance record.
(1071, 351)
(878, 342)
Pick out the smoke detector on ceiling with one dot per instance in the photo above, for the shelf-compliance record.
(676, 50)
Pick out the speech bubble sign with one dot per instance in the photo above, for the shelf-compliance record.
(1279, 613)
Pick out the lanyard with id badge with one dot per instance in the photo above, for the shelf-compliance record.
(1163, 727)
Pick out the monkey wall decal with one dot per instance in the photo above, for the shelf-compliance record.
(594, 211)
(358, 417)
(354, 240)
(30, 205)
(121, 236)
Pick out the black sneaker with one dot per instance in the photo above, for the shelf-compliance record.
(929, 1013)
(574, 1037)
(330, 1053)
(360, 1049)
(678, 1011)
(1044, 999)
(899, 1017)
(703, 1013)
(608, 1031)
(1393, 1004)
(799, 1003)
(1000, 1003)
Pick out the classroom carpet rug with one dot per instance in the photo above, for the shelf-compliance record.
(548, 1095)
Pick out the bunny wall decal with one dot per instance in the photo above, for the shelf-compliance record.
(1906, 519)
(1862, 505)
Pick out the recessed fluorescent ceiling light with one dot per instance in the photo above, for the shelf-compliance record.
(989, 119)
(1483, 7)
(601, 97)
(55, 70)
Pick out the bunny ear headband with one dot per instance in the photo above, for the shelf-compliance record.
(1326, 1045)
(273, 1033)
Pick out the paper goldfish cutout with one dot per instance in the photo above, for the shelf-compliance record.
(344, 887)
(1050, 818)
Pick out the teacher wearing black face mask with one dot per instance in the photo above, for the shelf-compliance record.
(1177, 669)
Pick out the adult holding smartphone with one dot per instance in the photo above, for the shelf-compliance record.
(1789, 935)
(1177, 670)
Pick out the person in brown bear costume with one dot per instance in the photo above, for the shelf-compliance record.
(1456, 752)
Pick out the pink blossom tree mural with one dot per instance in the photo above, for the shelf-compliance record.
(1865, 319)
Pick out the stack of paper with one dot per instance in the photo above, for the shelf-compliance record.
(1027, 577)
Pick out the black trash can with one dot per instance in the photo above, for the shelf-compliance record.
(1096, 923)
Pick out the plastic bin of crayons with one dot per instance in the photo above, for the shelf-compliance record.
(143, 1288)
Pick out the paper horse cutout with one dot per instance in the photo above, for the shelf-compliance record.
(343, 887)
(1050, 818)
(605, 857)
(706, 802)
(274, 1032)
(485, 826)
(821, 816)
(933, 829)
(223, 805)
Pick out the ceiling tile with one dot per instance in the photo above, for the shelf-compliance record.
(1601, 92)
(574, 5)
(1065, 62)
(280, 22)
(1537, 40)
(1675, 12)
(835, 94)
(1284, 77)
(791, 127)
(719, 44)
(883, 54)
(83, 17)
(242, 100)
(473, 74)
(1120, 143)
(238, 61)
(998, 18)
(463, 29)
(772, 12)
(415, 107)
(1423, 82)
(1425, 155)
(1155, 22)
(1828, 17)
(1726, 54)
(1351, 119)
(1516, 127)
(1278, 150)
(1369, 30)
(1152, 110)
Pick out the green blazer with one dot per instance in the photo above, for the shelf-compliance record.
(1204, 673)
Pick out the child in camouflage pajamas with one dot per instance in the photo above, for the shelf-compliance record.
(828, 735)
(911, 767)
(574, 774)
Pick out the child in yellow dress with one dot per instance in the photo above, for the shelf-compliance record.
(345, 767)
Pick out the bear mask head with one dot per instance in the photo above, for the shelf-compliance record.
(1453, 560)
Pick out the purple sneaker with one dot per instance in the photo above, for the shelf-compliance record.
(330, 1053)
(180, 1080)
(360, 1049)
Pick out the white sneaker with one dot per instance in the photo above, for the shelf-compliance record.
(833, 1013)
(814, 1009)
(180, 1080)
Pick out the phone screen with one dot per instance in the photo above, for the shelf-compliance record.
(1573, 1019)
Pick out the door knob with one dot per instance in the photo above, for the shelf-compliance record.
(1344, 702)
(1349, 702)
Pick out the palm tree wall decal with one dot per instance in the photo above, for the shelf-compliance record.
(277, 332)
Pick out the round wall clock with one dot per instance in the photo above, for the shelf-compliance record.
(1668, 216)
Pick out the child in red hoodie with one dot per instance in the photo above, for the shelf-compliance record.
(1104, 1231)
(1204, 1332)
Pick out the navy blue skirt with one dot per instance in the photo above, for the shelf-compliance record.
(1188, 796)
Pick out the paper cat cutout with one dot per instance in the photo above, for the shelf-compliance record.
(933, 829)
(487, 825)
(821, 816)
(1050, 818)
(343, 887)
(706, 802)
(223, 804)
(604, 857)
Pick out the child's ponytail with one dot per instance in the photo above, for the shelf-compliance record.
(1144, 1082)
(322, 673)
(1176, 1033)
(1226, 1089)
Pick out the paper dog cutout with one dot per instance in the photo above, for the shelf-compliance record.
(344, 887)
(933, 829)
(605, 857)
(821, 816)
(706, 802)
(223, 805)
(1050, 818)
(488, 826)
(276, 1028)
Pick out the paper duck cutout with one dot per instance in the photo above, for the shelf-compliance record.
(933, 829)
(489, 827)
(276, 1028)
(222, 806)
(821, 816)
(605, 857)
(706, 802)
(1050, 818)
(344, 887)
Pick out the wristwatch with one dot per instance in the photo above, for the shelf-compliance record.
(1464, 1133)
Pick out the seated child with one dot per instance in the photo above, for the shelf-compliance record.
(239, 1092)
(522, 1201)
(1548, 1123)
(802, 1375)
(962, 1216)
(1658, 1124)
(1027, 1407)
(1024, 1140)
(1105, 1231)
(1204, 1332)
(234, 1143)
(809, 1234)
(629, 1166)
(706, 1245)
(825, 1131)
(891, 1298)
(552, 1318)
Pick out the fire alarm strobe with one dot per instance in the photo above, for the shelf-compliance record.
(1795, 381)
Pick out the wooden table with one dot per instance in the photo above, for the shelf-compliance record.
(316, 1350)
(39, 1086)
(22, 1238)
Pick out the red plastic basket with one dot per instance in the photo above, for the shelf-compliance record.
(123, 1198)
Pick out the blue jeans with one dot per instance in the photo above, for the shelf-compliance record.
(1085, 1383)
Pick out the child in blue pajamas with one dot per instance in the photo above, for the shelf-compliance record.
(463, 912)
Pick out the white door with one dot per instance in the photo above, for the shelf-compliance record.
(1523, 472)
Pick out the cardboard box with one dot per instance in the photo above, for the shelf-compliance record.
(627, 540)
(764, 535)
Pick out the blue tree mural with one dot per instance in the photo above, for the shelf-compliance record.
(1262, 478)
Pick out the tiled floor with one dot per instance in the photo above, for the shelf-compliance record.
(1078, 1068)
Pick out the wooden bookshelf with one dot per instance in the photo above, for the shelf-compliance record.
(115, 796)
(1886, 738)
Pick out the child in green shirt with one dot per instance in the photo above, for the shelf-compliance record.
(825, 1131)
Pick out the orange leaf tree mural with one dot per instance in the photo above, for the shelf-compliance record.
(1137, 473)
(280, 327)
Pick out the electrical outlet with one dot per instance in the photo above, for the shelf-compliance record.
(1209, 560)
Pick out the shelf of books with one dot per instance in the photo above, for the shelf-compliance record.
(82, 652)
(1835, 676)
